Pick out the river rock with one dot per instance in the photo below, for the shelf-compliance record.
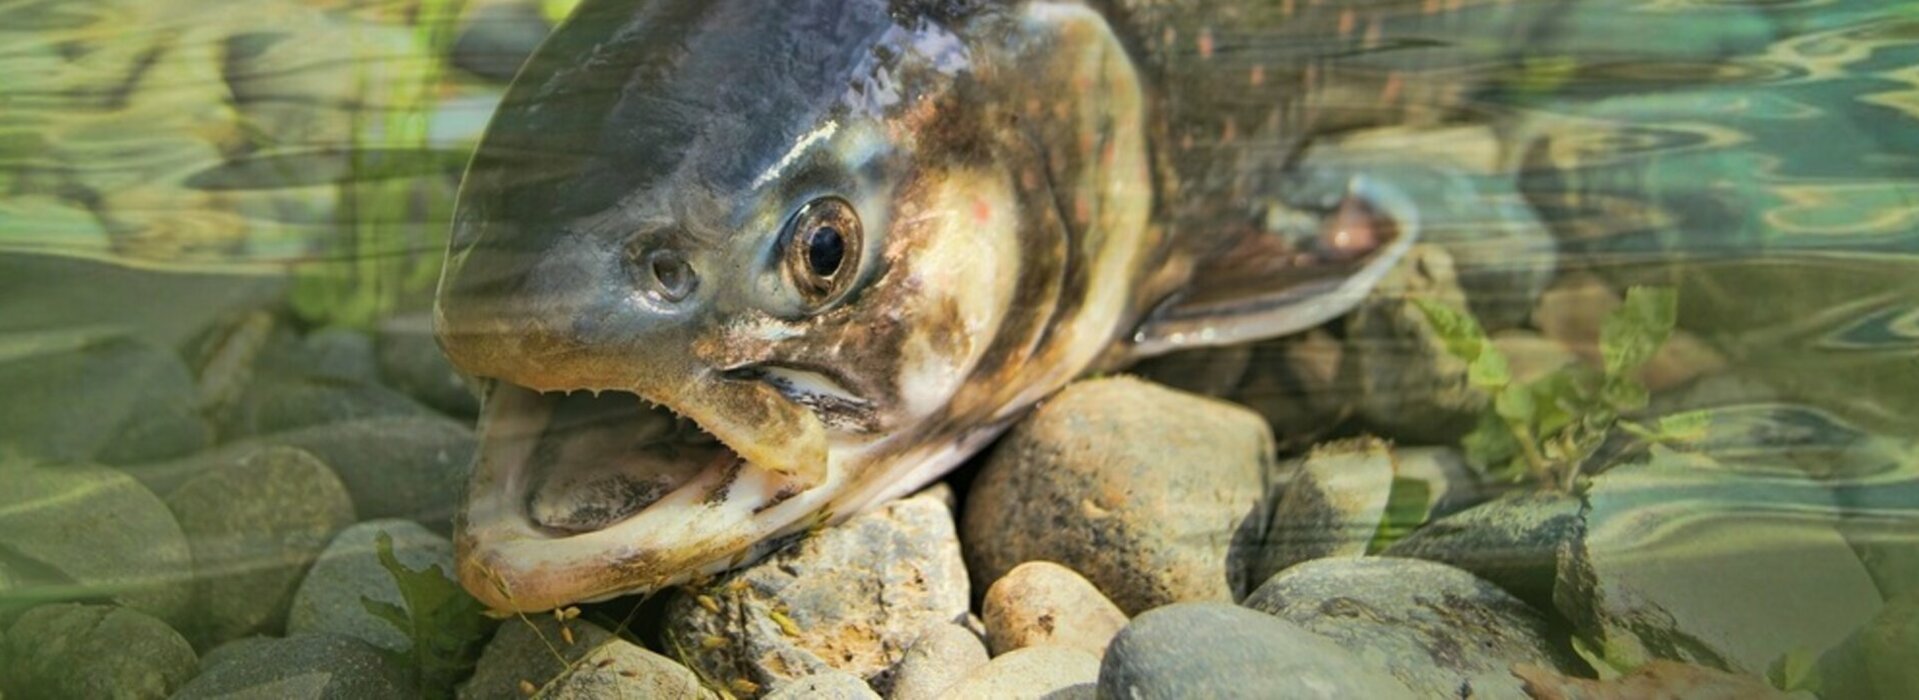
(1687, 559)
(1658, 680)
(1044, 604)
(939, 658)
(1332, 507)
(1139, 488)
(274, 404)
(1406, 384)
(522, 652)
(621, 669)
(1437, 629)
(1053, 672)
(116, 401)
(851, 598)
(1876, 661)
(329, 598)
(255, 525)
(1295, 383)
(411, 361)
(305, 667)
(1215, 650)
(90, 532)
(1214, 371)
(409, 467)
(825, 685)
(1512, 542)
(94, 651)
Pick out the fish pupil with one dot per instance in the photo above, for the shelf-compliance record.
(825, 250)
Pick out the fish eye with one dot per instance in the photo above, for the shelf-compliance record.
(822, 249)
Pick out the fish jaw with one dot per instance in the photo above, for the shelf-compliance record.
(702, 524)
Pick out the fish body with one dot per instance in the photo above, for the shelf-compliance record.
(732, 269)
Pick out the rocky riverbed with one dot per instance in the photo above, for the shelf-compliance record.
(206, 521)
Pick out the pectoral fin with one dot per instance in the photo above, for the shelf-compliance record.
(1307, 265)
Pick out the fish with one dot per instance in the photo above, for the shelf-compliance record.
(728, 270)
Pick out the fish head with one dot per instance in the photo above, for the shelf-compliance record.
(717, 264)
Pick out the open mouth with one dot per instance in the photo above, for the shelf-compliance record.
(601, 457)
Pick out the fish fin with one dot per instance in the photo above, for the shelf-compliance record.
(1302, 267)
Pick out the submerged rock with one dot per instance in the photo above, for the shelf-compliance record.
(1688, 560)
(939, 658)
(410, 467)
(411, 361)
(523, 653)
(255, 525)
(825, 685)
(306, 667)
(1656, 680)
(329, 598)
(621, 669)
(850, 597)
(1295, 383)
(1437, 629)
(87, 532)
(1052, 672)
(1139, 488)
(94, 651)
(1215, 650)
(1408, 386)
(116, 401)
(1876, 662)
(1512, 541)
(1332, 507)
(1044, 604)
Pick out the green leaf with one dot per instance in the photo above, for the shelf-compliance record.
(1633, 332)
(1794, 671)
(1491, 447)
(1515, 403)
(1624, 394)
(443, 625)
(1685, 426)
(1456, 329)
(1407, 506)
(1489, 371)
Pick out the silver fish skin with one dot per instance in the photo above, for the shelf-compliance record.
(731, 269)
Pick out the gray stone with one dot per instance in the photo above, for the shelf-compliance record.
(1295, 383)
(1044, 604)
(1214, 371)
(620, 669)
(329, 598)
(1031, 673)
(825, 685)
(523, 651)
(277, 403)
(94, 651)
(1512, 541)
(255, 524)
(411, 361)
(1407, 386)
(1139, 488)
(411, 467)
(1688, 559)
(339, 354)
(117, 401)
(850, 597)
(1450, 486)
(942, 655)
(1437, 629)
(1215, 650)
(86, 532)
(306, 667)
(1332, 507)
(1876, 661)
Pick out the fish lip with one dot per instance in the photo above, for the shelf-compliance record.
(511, 562)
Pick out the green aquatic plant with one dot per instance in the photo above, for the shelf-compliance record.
(442, 624)
(1545, 429)
(391, 222)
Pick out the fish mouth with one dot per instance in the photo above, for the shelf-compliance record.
(585, 495)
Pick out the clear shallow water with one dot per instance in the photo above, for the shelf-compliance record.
(167, 167)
